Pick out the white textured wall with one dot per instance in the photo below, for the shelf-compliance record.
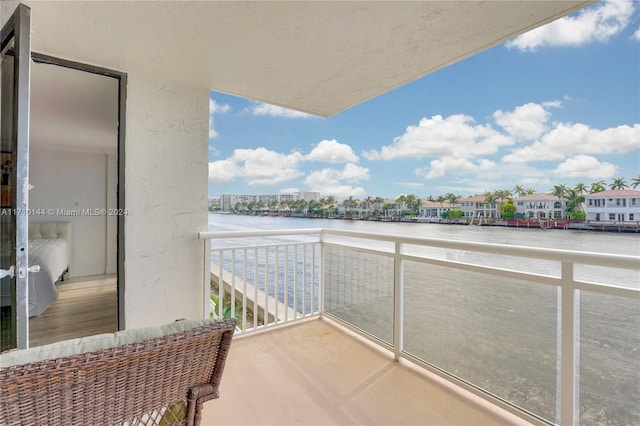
(72, 180)
(166, 198)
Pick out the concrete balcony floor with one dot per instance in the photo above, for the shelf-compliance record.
(318, 373)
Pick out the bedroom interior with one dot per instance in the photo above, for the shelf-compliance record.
(73, 176)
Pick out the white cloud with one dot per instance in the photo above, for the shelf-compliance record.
(527, 121)
(259, 108)
(455, 136)
(585, 166)
(353, 173)
(258, 166)
(555, 104)
(416, 185)
(223, 170)
(444, 165)
(289, 190)
(332, 181)
(215, 108)
(332, 151)
(636, 35)
(597, 23)
(539, 182)
(569, 139)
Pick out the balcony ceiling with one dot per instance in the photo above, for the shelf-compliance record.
(316, 57)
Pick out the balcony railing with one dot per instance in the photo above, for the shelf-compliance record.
(551, 335)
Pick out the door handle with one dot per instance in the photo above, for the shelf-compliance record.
(7, 272)
(22, 271)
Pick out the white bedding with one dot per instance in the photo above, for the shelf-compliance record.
(53, 257)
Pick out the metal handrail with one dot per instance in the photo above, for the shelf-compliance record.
(568, 287)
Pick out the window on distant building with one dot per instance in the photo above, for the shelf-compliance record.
(612, 216)
(631, 216)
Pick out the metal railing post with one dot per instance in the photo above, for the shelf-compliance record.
(398, 294)
(206, 281)
(569, 324)
(321, 275)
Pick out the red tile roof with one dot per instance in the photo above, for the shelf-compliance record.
(615, 193)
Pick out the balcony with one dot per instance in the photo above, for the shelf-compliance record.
(317, 373)
(339, 327)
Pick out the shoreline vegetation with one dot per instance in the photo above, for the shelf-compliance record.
(561, 208)
(564, 224)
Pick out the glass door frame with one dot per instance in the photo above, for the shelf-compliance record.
(122, 99)
(18, 29)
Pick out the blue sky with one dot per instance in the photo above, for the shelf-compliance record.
(557, 105)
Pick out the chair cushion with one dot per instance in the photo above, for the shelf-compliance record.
(97, 342)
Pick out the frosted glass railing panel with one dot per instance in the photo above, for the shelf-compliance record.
(606, 275)
(497, 333)
(492, 260)
(609, 360)
(358, 288)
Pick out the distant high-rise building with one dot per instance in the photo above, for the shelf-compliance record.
(228, 201)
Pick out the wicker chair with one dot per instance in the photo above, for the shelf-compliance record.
(159, 381)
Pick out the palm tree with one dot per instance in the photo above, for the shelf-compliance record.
(519, 191)
(489, 199)
(598, 186)
(502, 197)
(440, 199)
(502, 193)
(413, 202)
(559, 191)
(581, 188)
(349, 204)
(574, 202)
(635, 182)
(453, 198)
(377, 203)
(618, 183)
(529, 191)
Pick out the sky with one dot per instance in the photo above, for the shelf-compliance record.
(557, 105)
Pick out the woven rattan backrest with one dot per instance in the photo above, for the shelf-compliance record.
(145, 383)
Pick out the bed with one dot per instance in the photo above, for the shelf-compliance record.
(49, 247)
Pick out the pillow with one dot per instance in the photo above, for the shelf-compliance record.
(97, 342)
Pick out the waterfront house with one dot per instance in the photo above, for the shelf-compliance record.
(620, 205)
(393, 208)
(158, 62)
(540, 206)
(434, 209)
(475, 206)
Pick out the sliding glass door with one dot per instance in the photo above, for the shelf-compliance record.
(15, 61)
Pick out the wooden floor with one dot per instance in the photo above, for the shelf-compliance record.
(85, 306)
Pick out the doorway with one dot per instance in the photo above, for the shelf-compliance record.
(74, 179)
(74, 162)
